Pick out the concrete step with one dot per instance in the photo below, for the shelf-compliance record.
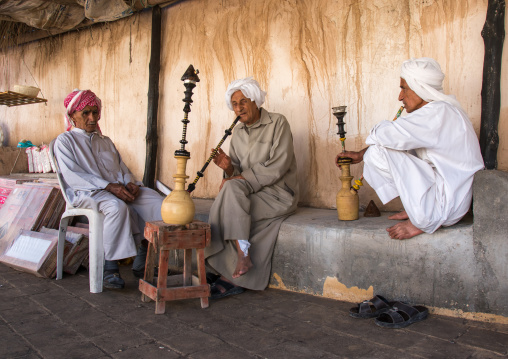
(352, 261)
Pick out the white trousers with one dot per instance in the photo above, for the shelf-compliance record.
(393, 173)
(124, 222)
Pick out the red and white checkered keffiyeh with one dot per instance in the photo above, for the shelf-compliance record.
(77, 100)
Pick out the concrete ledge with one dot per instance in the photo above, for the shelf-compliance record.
(352, 261)
(490, 234)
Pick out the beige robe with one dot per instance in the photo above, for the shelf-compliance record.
(254, 208)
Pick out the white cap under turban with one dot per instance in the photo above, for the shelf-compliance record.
(425, 78)
(250, 89)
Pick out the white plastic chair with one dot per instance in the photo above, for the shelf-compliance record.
(96, 226)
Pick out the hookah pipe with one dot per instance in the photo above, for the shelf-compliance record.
(340, 112)
(359, 182)
(190, 77)
(200, 174)
(177, 207)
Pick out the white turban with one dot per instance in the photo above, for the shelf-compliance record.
(425, 78)
(250, 89)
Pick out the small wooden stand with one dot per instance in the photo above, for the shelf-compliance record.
(162, 239)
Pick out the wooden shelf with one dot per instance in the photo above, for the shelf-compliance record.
(10, 98)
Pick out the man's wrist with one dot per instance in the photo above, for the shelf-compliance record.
(230, 171)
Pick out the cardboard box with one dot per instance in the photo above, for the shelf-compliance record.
(76, 247)
(32, 252)
(25, 209)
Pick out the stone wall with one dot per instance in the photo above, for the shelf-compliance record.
(13, 160)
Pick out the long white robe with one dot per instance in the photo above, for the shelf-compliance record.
(428, 158)
(254, 208)
(89, 162)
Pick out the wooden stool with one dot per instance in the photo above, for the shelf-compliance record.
(162, 238)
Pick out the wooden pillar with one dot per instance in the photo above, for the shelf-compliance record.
(493, 37)
(153, 100)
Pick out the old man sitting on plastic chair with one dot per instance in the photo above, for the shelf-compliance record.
(98, 178)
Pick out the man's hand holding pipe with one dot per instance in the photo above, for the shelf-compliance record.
(357, 157)
(223, 161)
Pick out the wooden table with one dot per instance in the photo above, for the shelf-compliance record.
(162, 239)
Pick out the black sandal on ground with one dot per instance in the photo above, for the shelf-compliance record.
(229, 289)
(401, 315)
(370, 308)
(112, 280)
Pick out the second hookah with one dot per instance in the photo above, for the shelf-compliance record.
(348, 202)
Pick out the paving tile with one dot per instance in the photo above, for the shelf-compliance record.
(5, 269)
(30, 355)
(10, 300)
(162, 331)
(497, 327)
(21, 279)
(11, 344)
(267, 321)
(73, 350)
(293, 350)
(51, 335)
(54, 297)
(312, 313)
(248, 338)
(90, 322)
(428, 347)
(41, 286)
(486, 339)
(4, 284)
(120, 339)
(42, 324)
(222, 352)
(147, 351)
(220, 323)
(440, 327)
(133, 313)
(191, 341)
(23, 310)
(301, 333)
(59, 302)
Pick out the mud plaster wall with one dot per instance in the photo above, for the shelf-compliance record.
(309, 55)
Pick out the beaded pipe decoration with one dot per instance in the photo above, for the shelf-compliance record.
(200, 174)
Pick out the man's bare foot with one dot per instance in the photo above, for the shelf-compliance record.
(403, 230)
(242, 265)
(400, 215)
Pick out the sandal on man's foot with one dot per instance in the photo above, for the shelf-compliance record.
(221, 289)
(370, 308)
(112, 280)
(401, 315)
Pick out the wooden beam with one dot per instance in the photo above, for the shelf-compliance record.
(153, 99)
(493, 36)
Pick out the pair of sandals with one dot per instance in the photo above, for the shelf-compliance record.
(393, 315)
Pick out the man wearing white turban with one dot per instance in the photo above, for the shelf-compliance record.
(259, 190)
(427, 158)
